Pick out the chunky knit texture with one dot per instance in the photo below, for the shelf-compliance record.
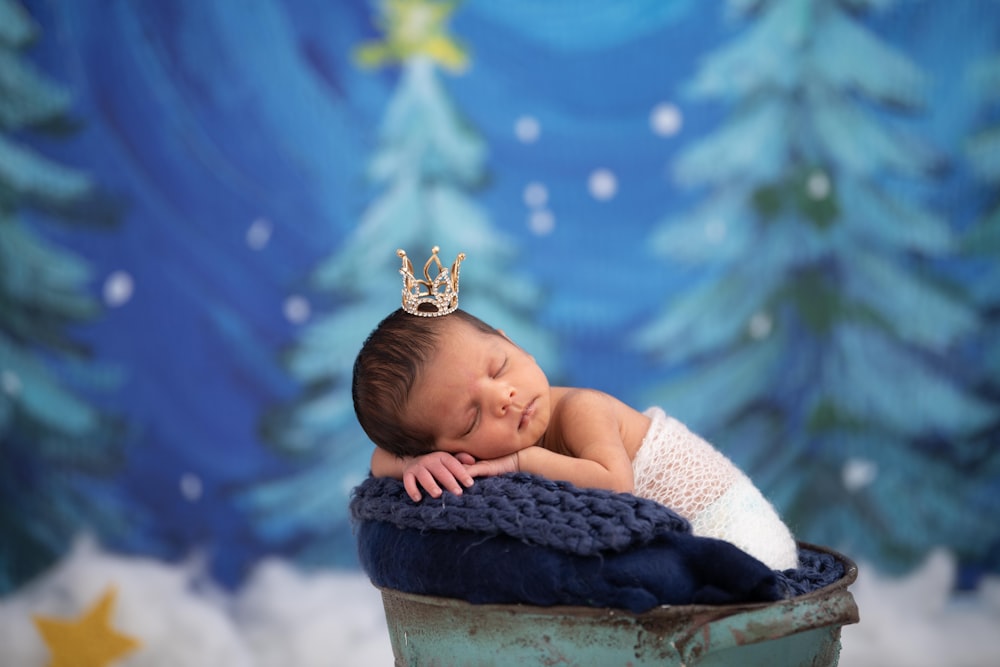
(531, 509)
(679, 469)
(523, 539)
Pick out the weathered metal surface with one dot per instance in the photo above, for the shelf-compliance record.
(439, 632)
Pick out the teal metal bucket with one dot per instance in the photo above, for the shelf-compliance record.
(803, 630)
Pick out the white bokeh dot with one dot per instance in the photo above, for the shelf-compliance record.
(297, 309)
(118, 288)
(527, 129)
(818, 185)
(858, 473)
(715, 231)
(535, 195)
(760, 326)
(191, 486)
(665, 119)
(259, 233)
(10, 382)
(602, 184)
(541, 222)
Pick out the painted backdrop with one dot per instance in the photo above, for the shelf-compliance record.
(776, 218)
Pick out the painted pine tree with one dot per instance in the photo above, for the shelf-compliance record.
(983, 241)
(982, 244)
(815, 342)
(55, 445)
(427, 164)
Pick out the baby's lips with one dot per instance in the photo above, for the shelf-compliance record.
(526, 414)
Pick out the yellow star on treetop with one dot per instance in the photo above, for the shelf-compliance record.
(88, 641)
(414, 28)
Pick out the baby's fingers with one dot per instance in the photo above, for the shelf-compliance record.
(425, 480)
(479, 469)
(465, 459)
(456, 467)
(492, 467)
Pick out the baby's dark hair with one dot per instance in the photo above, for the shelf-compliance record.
(387, 367)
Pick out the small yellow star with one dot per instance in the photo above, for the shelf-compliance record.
(414, 28)
(88, 641)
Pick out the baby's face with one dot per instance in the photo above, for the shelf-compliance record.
(480, 394)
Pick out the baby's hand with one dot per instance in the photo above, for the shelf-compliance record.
(494, 467)
(434, 470)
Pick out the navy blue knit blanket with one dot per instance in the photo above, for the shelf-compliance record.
(520, 538)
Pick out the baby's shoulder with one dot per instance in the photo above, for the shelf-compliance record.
(588, 414)
(579, 410)
(581, 401)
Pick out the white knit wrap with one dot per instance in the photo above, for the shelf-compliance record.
(678, 469)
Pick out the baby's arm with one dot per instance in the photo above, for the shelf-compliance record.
(598, 473)
(589, 430)
(430, 471)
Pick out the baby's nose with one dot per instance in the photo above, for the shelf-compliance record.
(504, 399)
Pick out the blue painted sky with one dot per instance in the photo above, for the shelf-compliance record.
(237, 134)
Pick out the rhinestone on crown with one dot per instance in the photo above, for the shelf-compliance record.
(429, 297)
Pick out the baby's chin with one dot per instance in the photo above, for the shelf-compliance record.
(535, 437)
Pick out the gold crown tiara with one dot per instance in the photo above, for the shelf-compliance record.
(430, 298)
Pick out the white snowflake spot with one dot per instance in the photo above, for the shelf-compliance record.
(535, 195)
(818, 185)
(665, 119)
(715, 231)
(541, 222)
(858, 473)
(297, 309)
(118, 288)
(760, 326)
(527, 129)
(11, 382)
(602, 184)
(191, 486)
(259, 233)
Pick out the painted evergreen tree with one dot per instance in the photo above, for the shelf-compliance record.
(427, 163)
(55, 446)
(982, 245)
(816, 345)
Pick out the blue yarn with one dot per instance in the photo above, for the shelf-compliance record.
(520, 538)
(535, 510)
